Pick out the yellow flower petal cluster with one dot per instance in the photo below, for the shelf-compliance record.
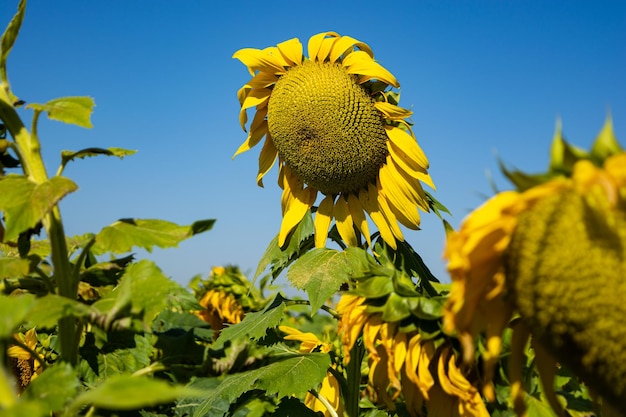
(405, 364)
(480, 301)
(330, 386)
(24, 365)
(332, 129)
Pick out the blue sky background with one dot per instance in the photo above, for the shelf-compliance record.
(481, 76)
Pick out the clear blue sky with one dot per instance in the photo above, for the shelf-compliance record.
(481, 77)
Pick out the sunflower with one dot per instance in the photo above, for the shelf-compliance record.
(553, 253)
(333, 123)
(26, 364)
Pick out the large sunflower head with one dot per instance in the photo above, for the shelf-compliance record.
(334, 125)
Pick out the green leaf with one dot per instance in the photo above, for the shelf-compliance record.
(292, 376)
(8, 39)
(427, 308)
(25, 202)
(14, 267)
(67, 156)
(299, 242)
(48, 309)
(322, 271)
(144, 288)
(125, 234)
(126, 392)
(72, 110)
(254, 325)
(13, 311)
(54, 387)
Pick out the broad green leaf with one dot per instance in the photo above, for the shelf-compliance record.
(144, 288)
(299, 242)
(322, 271)
(292, 376)
(72, 110)
(14, 267)
(48, 309)
(126, 392)
(123, 353)
(25, 203)
(254, 325)
(125, 234)
(54, 387)
(25, 409)
(8, 39)
(186, 406)
(13, 311)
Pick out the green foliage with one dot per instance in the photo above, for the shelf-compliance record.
(72, 110)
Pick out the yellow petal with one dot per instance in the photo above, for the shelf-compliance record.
(260, 60)
(253, 138)
(359, 62)
(325, 48)
(315, 43)
(399, 198)
(408, 167)
(358, 217)
(392, 111)
(323, 217)
(291, 51)
(242, 93)
(392, 221)
(266, 159)
(296, 208)
(256, 97)
(347, 43)
(406, 145)
(343, 220)
(410, 186)
(369, 200)
(261, 80)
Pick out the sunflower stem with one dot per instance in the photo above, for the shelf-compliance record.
(353, 371)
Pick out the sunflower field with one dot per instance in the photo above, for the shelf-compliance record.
(531, 323)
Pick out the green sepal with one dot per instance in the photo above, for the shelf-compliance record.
(563, 156)
(606, 144)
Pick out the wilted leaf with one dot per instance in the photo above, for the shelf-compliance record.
(254, 325)
(294, 375)
(126, 392)
(322, 271)
(67, 156)
(125, 234)
(25, 203)
(72, 110)
(13, 311)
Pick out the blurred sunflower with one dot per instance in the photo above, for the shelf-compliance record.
(26, 365)
(554, 253)
(335, 128)
(425, 372)
(329, 390)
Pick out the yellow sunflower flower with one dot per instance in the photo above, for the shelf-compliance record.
(335, 129)
(25, 366)
(554, 254)
(329, 389)
(220, 309)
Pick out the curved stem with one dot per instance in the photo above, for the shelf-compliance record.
(324, 401)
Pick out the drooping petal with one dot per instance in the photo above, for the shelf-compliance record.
(409, 184)
(347, 43)
(369, 199)
(343, 220)
(406, 144)
(254, 137)
(260, 60)
(358, 217)
(256, 97)
(298, 202)
(399, 198)
(291, 51)
(409, 167)
(315, 42)
(392, 221)
(391, 111)
(266, 159)
(261, 80)
(360, 63)
(323, 217)
(242, 93)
